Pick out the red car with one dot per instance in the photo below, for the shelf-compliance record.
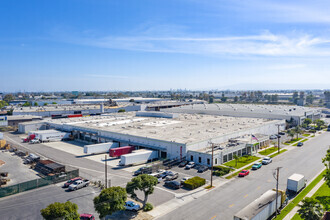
(69, 182)
(243, 173)
(87, 217)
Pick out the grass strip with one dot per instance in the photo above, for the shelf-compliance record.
(299, 197)
(274, 155)
(268, 151)
(241, 162)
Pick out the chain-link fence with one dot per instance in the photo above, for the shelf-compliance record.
(33, 184)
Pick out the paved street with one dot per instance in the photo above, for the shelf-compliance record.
(225, 201)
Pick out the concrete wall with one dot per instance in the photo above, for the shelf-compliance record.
(26, 128)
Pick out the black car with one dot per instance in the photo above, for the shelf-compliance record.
(183, 163)
(300, 144)
(143, 170)
(201, 169)
(173, 184)
(282, 133)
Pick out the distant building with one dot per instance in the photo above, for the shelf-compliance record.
(327, 98)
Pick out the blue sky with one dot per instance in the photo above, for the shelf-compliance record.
(164, 44)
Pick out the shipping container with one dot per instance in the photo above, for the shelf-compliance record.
(138, 157)
(75, 116)
(295, 183)
(117, 152)
(99, 148)
(262, 208)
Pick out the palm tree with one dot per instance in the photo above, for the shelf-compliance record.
(310, 209)
(297, 131)
(291, 133)
(236, 159)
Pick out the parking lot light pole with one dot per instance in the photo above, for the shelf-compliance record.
(276, 176)
(106, 172)
(278, 138)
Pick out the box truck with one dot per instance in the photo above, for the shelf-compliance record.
(296, 182)
(262, 208)
(117, 152)
(138, 157)
(99, 148)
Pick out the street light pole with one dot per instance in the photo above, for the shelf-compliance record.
(277, 179)
(106, 172)
(278, 138)
(212, 165)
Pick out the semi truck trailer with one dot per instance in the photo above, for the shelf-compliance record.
(262, 208)
(47, 135)
(99, 148)
(118, 151)
(138, 157)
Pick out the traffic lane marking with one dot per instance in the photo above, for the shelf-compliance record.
(213, 217)
(246, 195)
(231, 205)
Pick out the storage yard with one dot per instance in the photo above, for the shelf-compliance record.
(172, 135)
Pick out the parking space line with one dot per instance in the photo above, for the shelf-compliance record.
(165, 190)
(231, 205)
(246, 195)
(213, 217)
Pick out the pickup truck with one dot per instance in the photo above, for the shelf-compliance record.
(35, 141)
(78, 184)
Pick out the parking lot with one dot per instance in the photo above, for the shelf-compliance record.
(17, 171)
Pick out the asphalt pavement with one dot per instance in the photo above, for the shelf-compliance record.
(223, 202)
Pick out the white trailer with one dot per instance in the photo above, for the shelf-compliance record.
(1, 136)
(138, 157)
(261, 208)
(296, 182)
(99, 148)
(50, 135)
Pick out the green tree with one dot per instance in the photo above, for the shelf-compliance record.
(223, 98)
(144, 183)
(110, 200)
(45, 104)
(121, 110)
(295, 97)
(8, 98)
(307, 122)
(3, 104)
(319, 124)
(211, 99)
(310, 209)
(54, 103)
(57, 210)
(235, 99)
(26, 104)
(326, 162)
(36, 104)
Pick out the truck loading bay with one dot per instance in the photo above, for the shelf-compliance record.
(225, 201)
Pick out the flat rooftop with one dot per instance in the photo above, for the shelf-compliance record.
(251, 108)
(186, 128)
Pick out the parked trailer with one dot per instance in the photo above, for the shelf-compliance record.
(53, 136)
(262, 208)
(295, 183)
(117, 152)
(99, 148)
(138, 157)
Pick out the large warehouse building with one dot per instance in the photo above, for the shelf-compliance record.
(277, 112)
(172, 135)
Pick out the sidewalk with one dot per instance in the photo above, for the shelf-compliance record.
(310, 194)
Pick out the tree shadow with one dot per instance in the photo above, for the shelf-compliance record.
(325, 201)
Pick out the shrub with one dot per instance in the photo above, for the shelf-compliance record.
(219, 173)
(221, 170)
(148, 207)
(121, 110)
(194, 182)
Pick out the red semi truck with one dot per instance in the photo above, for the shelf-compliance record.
(117, 152)
(29, 138)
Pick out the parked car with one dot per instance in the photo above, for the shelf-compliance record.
(69, 182)
(256, 166)
(190, 165)
(173, 184)
(300, 144)
(183, 163)
(272, 137)
(142, 170)
(164, 174)
(86, 216)
(202, 168)
(184, 179)
(78, 184)
(266, 160)
(282, 133)
(172, 176)
(131, 206)
(243, 173)
(35, 141)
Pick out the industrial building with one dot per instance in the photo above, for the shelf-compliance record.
(277, 112)
(172, 135)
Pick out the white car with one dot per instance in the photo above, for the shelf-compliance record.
(131, 206)
(34, 141)
(190, 165)
(184, 179)
(266, 160)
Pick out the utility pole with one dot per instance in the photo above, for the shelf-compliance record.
(276, 176)
(212, 165)
(278, 138)
(106, 172)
